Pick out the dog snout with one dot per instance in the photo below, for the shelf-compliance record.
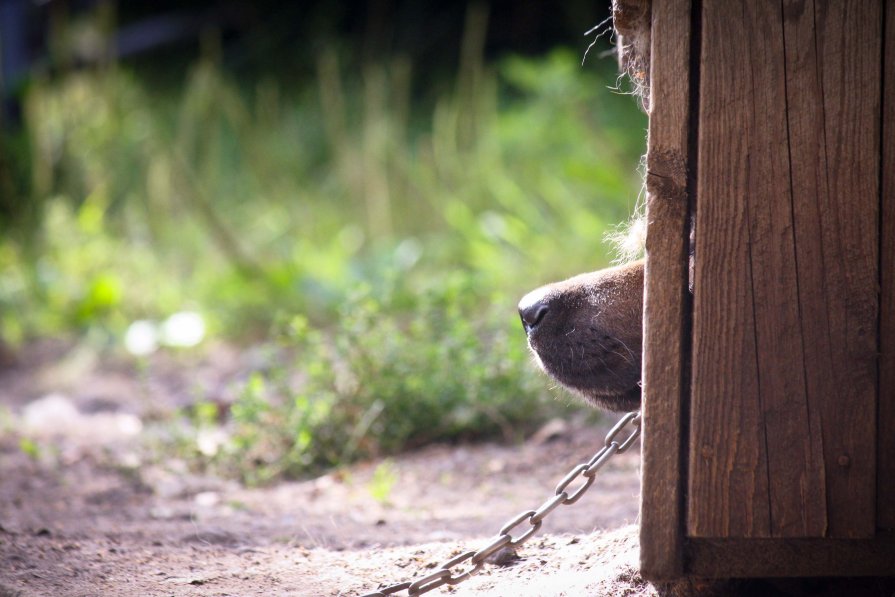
(586, 332)
(533, 307)
(532, 316)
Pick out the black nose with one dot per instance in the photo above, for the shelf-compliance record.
(532, 315)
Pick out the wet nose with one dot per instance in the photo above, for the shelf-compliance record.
(532, 315)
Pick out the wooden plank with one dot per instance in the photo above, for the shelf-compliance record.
(666, 299)
(728, 474)
(820, 283)
(793, 448)
(731, 558)
(836, 187)
(782, 431)
(886, 424)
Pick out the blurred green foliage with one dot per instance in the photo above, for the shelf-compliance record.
(398, 373)
(383, 243)
(244, 204)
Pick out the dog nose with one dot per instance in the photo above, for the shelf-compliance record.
(532, 315)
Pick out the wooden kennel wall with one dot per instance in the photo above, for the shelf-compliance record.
(769, 410)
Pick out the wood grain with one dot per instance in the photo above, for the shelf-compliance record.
(728, 472)
(886, 426)
(782, 439)
(836, 205)
(666, 299)
(793, 447)
(730, 558)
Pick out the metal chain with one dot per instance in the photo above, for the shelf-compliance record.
(444, 575)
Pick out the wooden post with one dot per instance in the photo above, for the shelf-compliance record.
(666, 296)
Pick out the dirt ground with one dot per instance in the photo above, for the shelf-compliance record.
(87, 513)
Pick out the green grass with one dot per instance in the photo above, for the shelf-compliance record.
(381, 245)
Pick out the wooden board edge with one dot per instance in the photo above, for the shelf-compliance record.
(666, 295)
(886, 406)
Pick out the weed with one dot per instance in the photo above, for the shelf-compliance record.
(383, 481)
(30, 448)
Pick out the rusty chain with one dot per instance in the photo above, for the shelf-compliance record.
(444, 575)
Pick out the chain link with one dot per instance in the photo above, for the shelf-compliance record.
(562, 497)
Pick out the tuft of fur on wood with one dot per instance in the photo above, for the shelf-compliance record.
(631, 20)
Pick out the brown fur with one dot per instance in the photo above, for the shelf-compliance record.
(586, 332)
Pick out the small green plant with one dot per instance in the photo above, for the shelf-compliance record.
(384, 478)
(30, 448)
(445, 369)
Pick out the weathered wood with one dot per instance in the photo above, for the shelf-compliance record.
(793, 448)
(666, 299)
(840, 291)
(782, 436)
(840, 374)
(731, 558)
(886, 437)
(728, 473)
(787, 439)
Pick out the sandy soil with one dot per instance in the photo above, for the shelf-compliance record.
(89, 514)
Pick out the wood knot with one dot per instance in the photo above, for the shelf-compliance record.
(666, 174)
(844, 461)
